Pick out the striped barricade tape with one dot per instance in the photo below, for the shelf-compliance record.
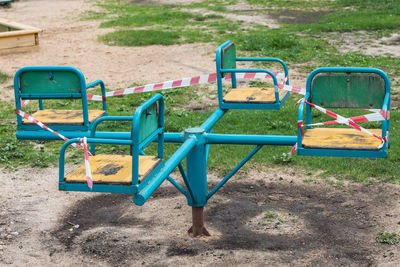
(343, 120)
(40, 124)
(81, 140)
(378, 116)
(292, 89)
(25, 102)
(89, 178)
(201, 79)
(206, 78)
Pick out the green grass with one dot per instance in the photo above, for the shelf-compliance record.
(386, 237)
(4, 77)
(222, 157)
(341, 15)
(140, 37)
(152, 16)
(213, 5)
(15, 153)
(139, 24)
(270, 215)
(292, 3)
(277, 43)
(346, 21)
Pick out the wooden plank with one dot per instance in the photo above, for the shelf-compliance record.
(64, 117)
(15, 35)
(113, 169)
(341, 138)
(253, 95)
(17, 25)
(17, 41)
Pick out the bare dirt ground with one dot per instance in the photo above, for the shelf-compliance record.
(259, 218)
(389, 46)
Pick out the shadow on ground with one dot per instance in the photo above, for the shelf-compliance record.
(336, 226)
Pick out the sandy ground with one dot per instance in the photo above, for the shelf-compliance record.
(259, 218)
(314, 224)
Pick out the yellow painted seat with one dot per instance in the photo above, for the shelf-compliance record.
(253, 95)
(64, 117)
(341, 138)
(113, 169)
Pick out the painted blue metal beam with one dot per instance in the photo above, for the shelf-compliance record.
(141, 197)
(279, 140)
(40, 135)
(213, 119)
(178, 186)
(232, 172)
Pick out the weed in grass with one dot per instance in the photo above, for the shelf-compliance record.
(9, 150)
(259, 84)
(270, 215)
(140, 37)
(3, 77)
(278, 221)
(214, 5)
(284, 158)
(299, 4)
(349, 190)
(93, 15)
(155, 15)
(386, 237)
(185, 27)
(339, 185)
(280, 44)
(350, 20)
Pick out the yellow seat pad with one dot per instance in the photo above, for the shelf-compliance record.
(113, 169)
(62, 117)
(253, 95)
(341, 138)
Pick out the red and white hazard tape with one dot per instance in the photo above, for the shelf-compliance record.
(81, 140)
(293, 150)
(40, 124)
(25, 102)
(377, 116)
(89, 178)
(293, 89)
(343, 120)
(206, 78)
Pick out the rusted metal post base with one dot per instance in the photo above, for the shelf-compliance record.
(198, 228)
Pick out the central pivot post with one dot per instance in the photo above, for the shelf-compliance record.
(196, 161)
(198, 228)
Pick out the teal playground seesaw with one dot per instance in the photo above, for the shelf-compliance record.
(140, 174)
